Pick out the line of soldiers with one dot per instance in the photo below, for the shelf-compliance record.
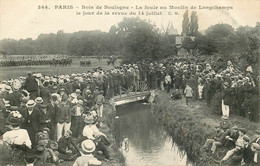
(33, 62)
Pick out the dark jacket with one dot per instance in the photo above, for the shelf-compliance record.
(11, 98)
(17, 95)
(63, 114)
(66, 143)
(45, 93)
(227, 97)
(30, 84)
(53, 111)
(31, 121)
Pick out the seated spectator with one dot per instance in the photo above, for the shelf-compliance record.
(91, 131)
(176, 95)
(251, 155)
(47, 147)
(225, 124)
(86, 158)
(67, 147)
(231, 137)
(241, 143)
(17, 137)
(216, 141)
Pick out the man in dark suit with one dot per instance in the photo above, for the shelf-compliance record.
(45, 93)
(31, 86)
(31, 120)
(52, 108)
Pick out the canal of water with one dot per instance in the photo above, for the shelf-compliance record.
(144, 140)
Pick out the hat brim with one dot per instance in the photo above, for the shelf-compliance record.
(30, 105)
(13, 123)
(88, 150)
(18, 121)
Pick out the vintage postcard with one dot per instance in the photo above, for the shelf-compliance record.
(129, 82)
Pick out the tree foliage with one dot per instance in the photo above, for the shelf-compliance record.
(141, 40)
(194, 26)
(185, 23)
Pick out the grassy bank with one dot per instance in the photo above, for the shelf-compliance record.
(190, 127)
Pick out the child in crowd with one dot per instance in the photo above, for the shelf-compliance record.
(188, 92)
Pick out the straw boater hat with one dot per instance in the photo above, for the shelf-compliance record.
(39, 100)
(30, 103)
(8, 88)
(256, 146)
(77, 91)
(73, 95)
(88, 146)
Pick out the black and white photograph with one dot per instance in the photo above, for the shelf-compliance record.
(129, 83)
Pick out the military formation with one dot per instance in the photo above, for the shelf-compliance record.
(63, 62)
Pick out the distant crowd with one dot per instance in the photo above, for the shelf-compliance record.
(59, 117)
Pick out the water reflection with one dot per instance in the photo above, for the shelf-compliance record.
(143, 140)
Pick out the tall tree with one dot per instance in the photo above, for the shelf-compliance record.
(221, 35)
(185, 23)
(193, 23)
(141, 40)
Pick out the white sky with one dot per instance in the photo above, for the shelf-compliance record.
(20, 19)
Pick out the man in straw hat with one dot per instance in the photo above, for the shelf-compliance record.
(88, 147)
(31, 120)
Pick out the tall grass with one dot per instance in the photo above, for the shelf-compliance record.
(188, 133)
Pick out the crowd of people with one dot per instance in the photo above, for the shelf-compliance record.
(242, 150)
(53, 116)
